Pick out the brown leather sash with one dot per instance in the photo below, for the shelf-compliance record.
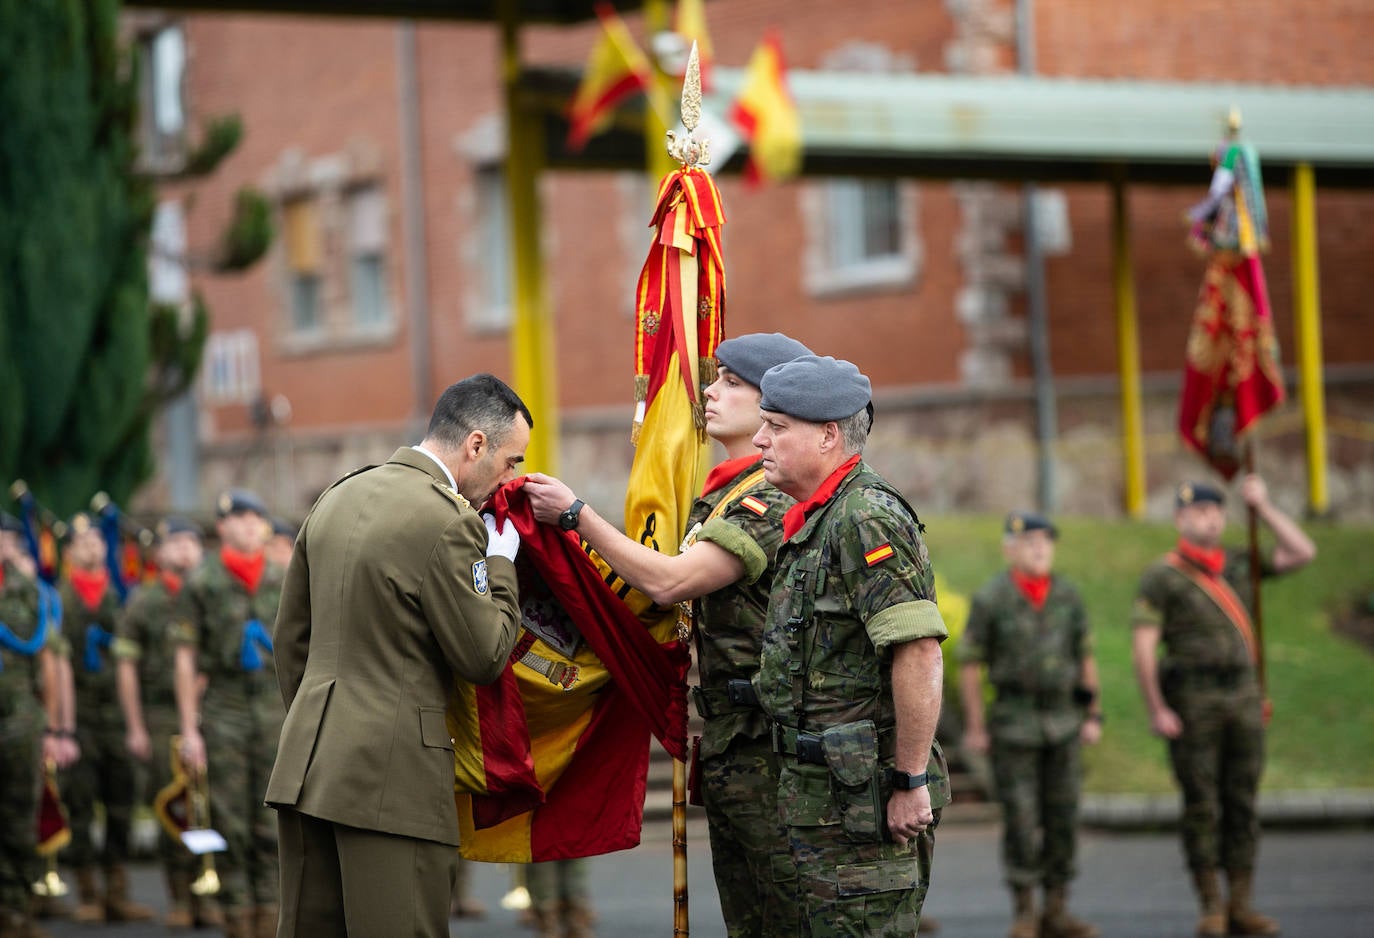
(1219, 592)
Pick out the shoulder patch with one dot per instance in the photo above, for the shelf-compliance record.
(459, 499)
(757, 505)
(479, 575)
(878, 554)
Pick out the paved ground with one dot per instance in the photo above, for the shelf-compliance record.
(1320, 883)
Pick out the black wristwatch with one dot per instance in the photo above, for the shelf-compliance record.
(905, 780)
(568, 519)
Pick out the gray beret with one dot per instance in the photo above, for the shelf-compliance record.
(1021, 522)
(749, 356)
(1190, 493)
(815, 389)
(175, 524)
(234, 501)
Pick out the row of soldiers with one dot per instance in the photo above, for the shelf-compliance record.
(117, 681)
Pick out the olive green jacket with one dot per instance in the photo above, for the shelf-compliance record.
(389, 595)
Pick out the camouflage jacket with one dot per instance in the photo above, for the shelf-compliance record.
(729, 624)
(19, 620)
(230, 629)
(1196, 634)
(90, 634)
(141, 635)
(1034, 659)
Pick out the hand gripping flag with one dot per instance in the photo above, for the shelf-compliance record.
(615, 70)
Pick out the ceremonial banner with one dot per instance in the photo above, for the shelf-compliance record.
(767, 116)
(615, 70)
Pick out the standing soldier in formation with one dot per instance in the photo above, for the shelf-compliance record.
(850, 670)
(1203, 695)
(222, 628)
(1029, 629)
(105, 771)
(736, 527)
(144, 660)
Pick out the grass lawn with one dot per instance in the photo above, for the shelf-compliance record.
(1321, 683)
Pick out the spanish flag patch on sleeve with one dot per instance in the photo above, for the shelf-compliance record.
(878, 554)
(757, 506)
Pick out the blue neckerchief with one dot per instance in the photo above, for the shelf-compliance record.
(97, 640)
(49, 607)
(26, 648)
(254, 636)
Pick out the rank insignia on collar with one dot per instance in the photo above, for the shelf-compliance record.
(479, 577)
(756, 505)
(878, 554)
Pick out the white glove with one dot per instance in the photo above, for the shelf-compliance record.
(501, 543)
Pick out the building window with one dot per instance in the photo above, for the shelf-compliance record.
(162, 63)
(230, 372)
(168, 281)
(861, 235)
(489, 307)
(304, 260)
(367, 265)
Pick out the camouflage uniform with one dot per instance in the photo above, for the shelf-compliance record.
(739, 770)
(1034, 660)
(853, 582)
(21, 728)
(242, 717)
(1208, 678)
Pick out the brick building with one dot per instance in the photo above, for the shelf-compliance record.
(381, 146)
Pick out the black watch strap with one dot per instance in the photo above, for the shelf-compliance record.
(569, 518)
(906, 781)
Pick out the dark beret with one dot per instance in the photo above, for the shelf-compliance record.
(234, 501)
(175, 524)
(1191, 493)
(815, 389)
(10, 523)
(80, 523)
(1019, 522)
(281, 528)
(750, 356)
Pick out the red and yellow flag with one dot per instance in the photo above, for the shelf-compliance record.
(691, 26)
(615, 70)
(767, 116)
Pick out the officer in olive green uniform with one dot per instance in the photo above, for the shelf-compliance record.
(1203, 695)
(735, 530)
(1029, 628)
(221, 626)
(105, 771)
(850, 670)
(21, 733)
(146, 693)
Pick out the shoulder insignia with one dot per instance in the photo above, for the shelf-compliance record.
(443, 487)
(757, 505)
(878, 554)
(479, 575)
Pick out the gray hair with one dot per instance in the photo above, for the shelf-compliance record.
(854, 429)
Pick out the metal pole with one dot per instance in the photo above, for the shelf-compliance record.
(416, 245)
(1128, 355)
(1308, 329)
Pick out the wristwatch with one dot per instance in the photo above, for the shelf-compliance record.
(905, 780)
(568, 519)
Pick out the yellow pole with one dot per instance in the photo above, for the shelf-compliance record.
(661, 92)
(1307, 326)
(532, 327)
(1128, 355)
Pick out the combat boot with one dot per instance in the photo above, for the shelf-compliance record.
(1024, 924)
(1244, 920)
(178, 900)
(13, 924)
(205, 912)
(1211, 922)
(238, 923)
(927, 925)
(265, 921)
(578, 919)
(89, 907)
(1057, 922)
(118, 906)
(547, 920)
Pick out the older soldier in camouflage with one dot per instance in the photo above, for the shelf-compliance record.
(105, 771)
(222, 628)
(850, 670)
(144, 666)
(736, 527)
(1203, 695)
(1029, 629)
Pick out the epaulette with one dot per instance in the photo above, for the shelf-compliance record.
(459, 499)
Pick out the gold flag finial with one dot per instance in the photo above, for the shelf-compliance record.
(689, 151)
(1233, 120)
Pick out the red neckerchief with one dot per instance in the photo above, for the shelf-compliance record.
(1212, 560)
(90, 585)
(1036, 589)
(246, 568)
(170, 581)
(726, 472)
(795, 517)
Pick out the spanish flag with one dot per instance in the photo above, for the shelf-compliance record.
(691, 26)
(615, 70)
(767, 116)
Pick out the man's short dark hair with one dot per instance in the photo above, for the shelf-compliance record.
(482, 402)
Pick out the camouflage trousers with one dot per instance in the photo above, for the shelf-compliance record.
(240, 748)
(1218, 760)
(749, 850)
(104, 774)
(553, 880)
(1038, 789)
(20, 736)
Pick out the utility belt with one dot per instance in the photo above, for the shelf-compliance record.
(1217, 677)
(1054, 699)
(738, 696)
(809, 748)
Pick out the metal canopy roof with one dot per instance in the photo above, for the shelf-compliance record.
(528, 11)
(1054, 130)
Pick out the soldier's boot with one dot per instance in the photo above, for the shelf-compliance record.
(1058, 922)
(90, 907)
(265, 921)
(178, 900)
(238, 923)
(1243, 918)
(118, 906)
(1211, 923)
(548, 922)
(13, 924)
(49, 907)
(928, 925)
(1024, 924)
(205, 912)
(578, 918)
